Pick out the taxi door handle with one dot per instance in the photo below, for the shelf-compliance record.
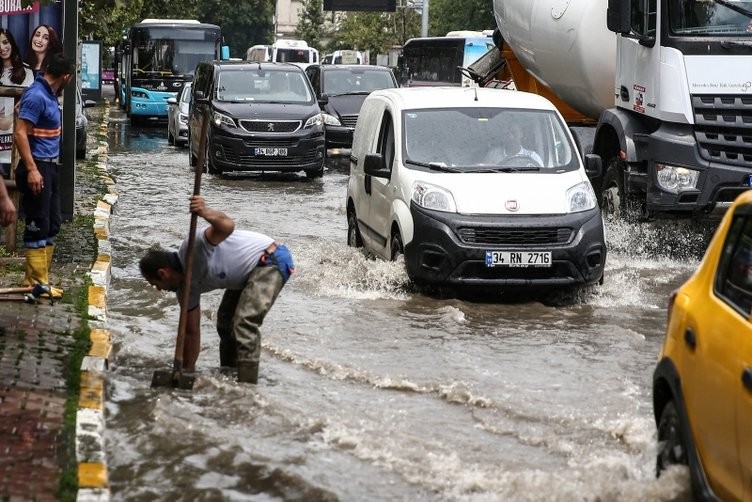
(690, 339)
(747, 378)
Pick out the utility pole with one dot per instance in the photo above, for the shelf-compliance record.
(424, 20)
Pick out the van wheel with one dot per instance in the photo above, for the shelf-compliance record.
(397, 249)
(354, 239)
(170, 138)
(671, 447)
(315, 173)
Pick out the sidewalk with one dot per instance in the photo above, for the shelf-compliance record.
(52, 356)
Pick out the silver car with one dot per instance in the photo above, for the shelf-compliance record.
(177, 117)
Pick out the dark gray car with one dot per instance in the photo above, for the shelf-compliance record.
(340, 91)
(263, 118)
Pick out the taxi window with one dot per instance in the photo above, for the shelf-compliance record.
(734, 277)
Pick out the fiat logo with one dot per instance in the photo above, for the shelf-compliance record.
(512, 205)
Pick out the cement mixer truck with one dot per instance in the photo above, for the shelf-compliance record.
(660, 89)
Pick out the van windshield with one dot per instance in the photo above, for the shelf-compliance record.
(355, 81)
(487, 140)
(264, 86)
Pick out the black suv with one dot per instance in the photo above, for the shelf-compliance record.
(264, 118)
(341, 90)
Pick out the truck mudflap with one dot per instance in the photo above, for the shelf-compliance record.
(715, 184)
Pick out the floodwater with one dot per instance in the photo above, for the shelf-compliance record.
(369, 389)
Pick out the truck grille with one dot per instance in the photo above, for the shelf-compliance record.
(724, 128)
(514, 236)
(270, 126)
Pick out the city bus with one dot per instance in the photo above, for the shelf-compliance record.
(157, 57)
(435, 60)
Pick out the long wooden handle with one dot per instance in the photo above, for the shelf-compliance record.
(188, 266)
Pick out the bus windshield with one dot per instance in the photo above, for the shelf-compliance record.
(710, 17)
(173, 51)
(434, 60)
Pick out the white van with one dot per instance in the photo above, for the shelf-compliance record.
(436, 176)
(259, 53)
(294, 51)
(343, 57)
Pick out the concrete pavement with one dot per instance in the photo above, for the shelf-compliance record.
(53, 356)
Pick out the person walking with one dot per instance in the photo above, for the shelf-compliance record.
(251, 267)
(37, 137)
(14, 73)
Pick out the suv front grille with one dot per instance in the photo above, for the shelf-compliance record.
(724, 128)
(490, 236)
(349, 120)
(270, 126)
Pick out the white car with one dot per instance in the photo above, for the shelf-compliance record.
(435, 176)
(177, 117)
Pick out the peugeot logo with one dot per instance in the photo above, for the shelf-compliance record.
(512, 205)
(270, 127)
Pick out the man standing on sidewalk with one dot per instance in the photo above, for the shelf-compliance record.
(250, 267)
(37, 137)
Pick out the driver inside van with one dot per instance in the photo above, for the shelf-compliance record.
(513, 148)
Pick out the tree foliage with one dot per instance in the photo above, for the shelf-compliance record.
(375, 31)
(449, 15)
(311, 23)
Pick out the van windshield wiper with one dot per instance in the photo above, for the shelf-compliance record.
(735, 8)
(501, 169)
(434, 166)
(727, 44)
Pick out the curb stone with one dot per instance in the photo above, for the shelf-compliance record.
(93, 480)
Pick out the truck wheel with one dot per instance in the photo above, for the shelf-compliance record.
(671, 447)
(615, 203)
(354, 239)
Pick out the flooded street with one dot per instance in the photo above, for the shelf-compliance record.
(369, 389)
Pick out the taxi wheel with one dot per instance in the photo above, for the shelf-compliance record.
(672, 449)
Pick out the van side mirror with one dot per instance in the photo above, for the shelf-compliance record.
(323, 100)
(593, 165)
(617, 17)
(373, 165)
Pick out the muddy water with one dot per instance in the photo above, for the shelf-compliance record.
(370, 390)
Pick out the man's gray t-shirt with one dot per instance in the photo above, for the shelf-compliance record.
(224, 266)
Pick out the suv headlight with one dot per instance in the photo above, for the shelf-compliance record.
(581, 197)
(315, 121)
(221, 118)
(433, 197)
(330, 120)
(182, 118)
(675, 178)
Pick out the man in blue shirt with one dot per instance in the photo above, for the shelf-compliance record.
(37, 137)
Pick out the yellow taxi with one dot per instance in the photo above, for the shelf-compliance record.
(702, 385)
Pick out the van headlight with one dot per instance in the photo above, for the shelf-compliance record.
(330, 120)
(433, 197)
(314, 122)
(675, 178)
(221, 118)
(581, 197)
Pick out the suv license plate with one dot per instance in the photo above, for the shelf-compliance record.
(518, 258)
(270, 152)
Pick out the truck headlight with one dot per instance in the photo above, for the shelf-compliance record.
(433, 197)
(221, 118)
(330, 120)
(581, 197)
(674, 178)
